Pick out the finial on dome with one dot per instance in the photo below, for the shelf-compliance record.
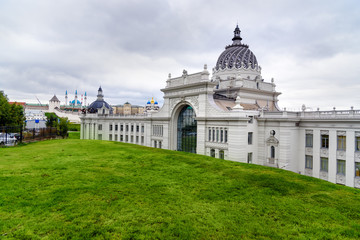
(237, 38)
(152, 100)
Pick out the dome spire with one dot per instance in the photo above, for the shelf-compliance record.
(237, 39)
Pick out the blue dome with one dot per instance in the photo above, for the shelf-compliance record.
(148, 102)
(73, 102)
(94, 106)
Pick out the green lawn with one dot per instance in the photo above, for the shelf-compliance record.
(82, 189)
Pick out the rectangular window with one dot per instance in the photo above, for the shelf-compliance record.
(324, 141)
(308, 161)
(217, 135)
(110, 137)
(340, 167)
(137, 139)
(159, 144)
(341, 142)
(222, 135)
(357, 143)
(110, 127)
(213, 136)
(142, 129)
(137, 128)
(127, 128)
(309, 140)
(99, 127)
(142, 139)
(155, 144)
(209, 134)
(116, 127)
(324, 163)
(357, 169)
(250, 138)
(116, 137)
(132, 139)
(121, 127)
(126, 138)
(221, 154)
(249, 157)
(226, 136)
(99, 136)
(121, 138)
(132, 128)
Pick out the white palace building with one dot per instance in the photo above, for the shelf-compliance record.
(234, 116)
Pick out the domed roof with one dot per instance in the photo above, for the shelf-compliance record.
(236, 55)
(99, 103)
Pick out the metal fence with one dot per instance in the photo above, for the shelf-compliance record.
(12, 135)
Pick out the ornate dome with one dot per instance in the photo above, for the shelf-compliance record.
(99, 103)
(237, 55)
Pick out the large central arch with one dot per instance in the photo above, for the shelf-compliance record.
(186, 130)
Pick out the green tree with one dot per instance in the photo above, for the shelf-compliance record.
(10, 114)
(62, 124)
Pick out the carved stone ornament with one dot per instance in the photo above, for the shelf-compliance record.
(308, 151)
(340, 179)
(323, 175)
(341, 155)
(272, 141)
(357, 156)
(324, 152)
(341, 133)
(308, 172)
(324, 132)
(308, 131)
(357, 182)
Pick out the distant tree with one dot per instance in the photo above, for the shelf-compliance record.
(62, 124)
(10, 114)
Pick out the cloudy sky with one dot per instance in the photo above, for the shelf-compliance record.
(310, 48)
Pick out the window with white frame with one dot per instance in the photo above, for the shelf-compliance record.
(250, 138)
(357, 169)
(340, 169)
(221, 154)
(357, 143)
(309, 140)
(341, 143)
(249, 157)
(226, 135)
(324, 164)
(324, 141)
(212, 152)
(209, 134)
(308, 161)
(100, 127)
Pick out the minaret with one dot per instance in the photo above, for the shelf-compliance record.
(75, 103)
(85, 100)
(66, 98)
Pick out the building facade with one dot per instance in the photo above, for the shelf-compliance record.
(234, 115)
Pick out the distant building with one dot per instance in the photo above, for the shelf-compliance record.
(128, 109)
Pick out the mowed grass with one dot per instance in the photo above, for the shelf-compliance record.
(86, 189)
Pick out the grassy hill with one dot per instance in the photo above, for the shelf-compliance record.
(82, 189)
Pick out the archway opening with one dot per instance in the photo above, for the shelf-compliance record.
(186, 130)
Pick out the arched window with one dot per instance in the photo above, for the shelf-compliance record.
(186, 130)
(212, 152)
(221, 154)
(272, 152)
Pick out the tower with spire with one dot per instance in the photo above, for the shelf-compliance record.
(66, 98)
(76, 98)
(85, 100)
